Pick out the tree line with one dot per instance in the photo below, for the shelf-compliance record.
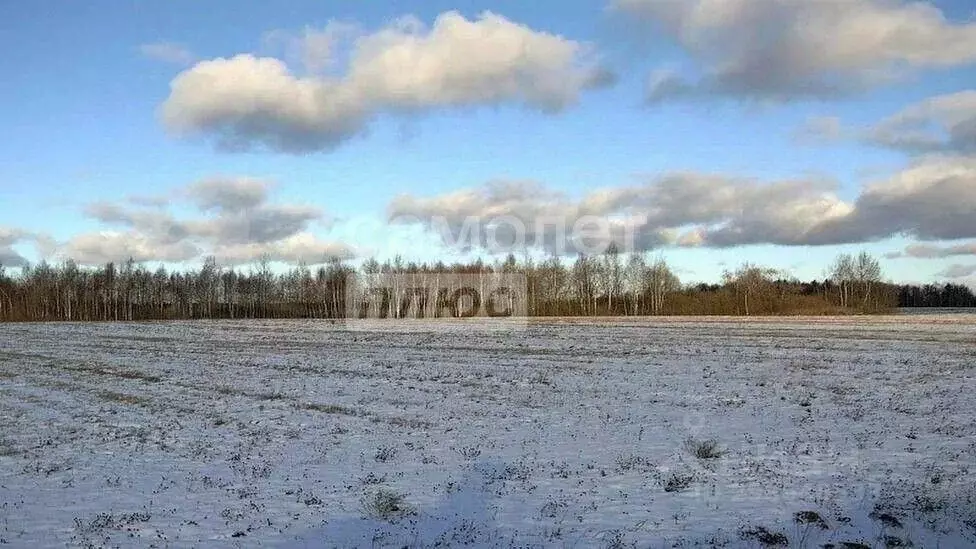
(611, 283)
(932, 295)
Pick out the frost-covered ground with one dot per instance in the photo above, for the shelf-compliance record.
(564, 434)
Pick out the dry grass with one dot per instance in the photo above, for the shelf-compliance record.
(122, 397)
(333, 409)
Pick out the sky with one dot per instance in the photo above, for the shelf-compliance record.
(709, 132)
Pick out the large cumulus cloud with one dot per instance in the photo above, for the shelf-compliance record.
(785, 49)
(932, 199)
(247, 101)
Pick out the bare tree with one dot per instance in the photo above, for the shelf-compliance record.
(856, 278)
(659, 283)
(867, 273)
(6, 304)
(611, 275)
(634, 282)
(584, 284)
(842, 272)
(749, 282)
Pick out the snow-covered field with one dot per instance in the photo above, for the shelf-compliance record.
(561, 434)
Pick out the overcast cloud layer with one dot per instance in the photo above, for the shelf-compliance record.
(247, 102)
(787, 49)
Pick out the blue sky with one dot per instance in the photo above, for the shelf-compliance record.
(86, 86)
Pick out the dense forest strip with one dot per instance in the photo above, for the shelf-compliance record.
(608, 284)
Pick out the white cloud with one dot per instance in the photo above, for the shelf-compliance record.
(235, 223)
(248, 101)
(461, 63)
(941, 123)
(260, 225)
(297, 248)
(685, 209)
(782, 49)
(317, 50)
(229, 195)
(958, 271)
(929, 251)
(10, 258)
(112, 246)
(933, 199)
(9, 237)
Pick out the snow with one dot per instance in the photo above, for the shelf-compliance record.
(558, 433)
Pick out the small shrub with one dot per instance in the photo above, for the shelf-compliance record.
(809, 521)
(895, 541)
(469, 452)
(887, 519)
(385, 453)
(553, 508)
(107, 521)
(633, 462)
(810, 517)
(704, 449)
(615, 540)
(100, 522)
(678, 482)
(765, 537)
(386, 505)
(927, 503)
(516, 472)
(373, 479)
